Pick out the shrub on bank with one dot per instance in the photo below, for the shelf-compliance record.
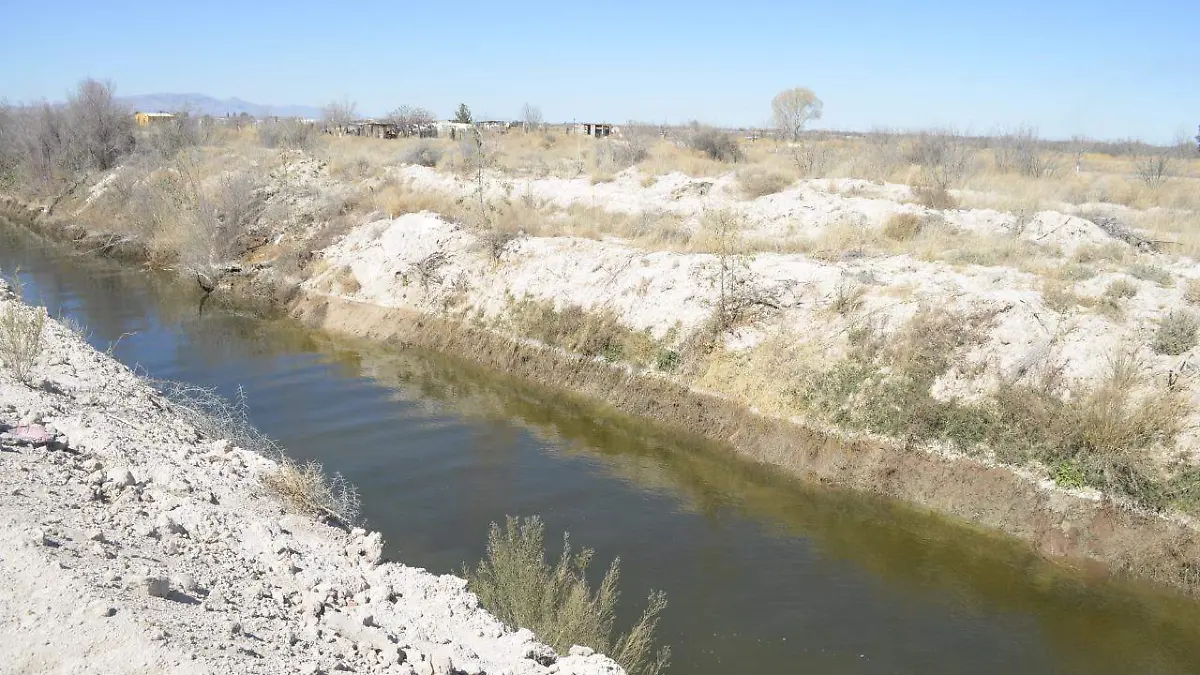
(21, 338)
(517, 585)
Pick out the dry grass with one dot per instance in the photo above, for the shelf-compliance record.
(1120, 289)
(902, 226)
(306, 489)
(516, 584)
(594, 333)
(760, 182)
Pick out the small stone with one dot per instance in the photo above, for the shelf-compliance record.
(96, 478)
(106, 611)
(234, 628)
(95, 535)
(170, 547)
(156, 586)
(39, 537)
(422, 668)
(308, 668)
(580, 650)
(215, 601)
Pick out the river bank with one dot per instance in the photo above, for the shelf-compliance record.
(135, 544)
(420, 279)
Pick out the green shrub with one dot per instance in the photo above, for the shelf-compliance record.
(668, 360)
(1153, 273)
(21, 330)
(516, 584)
(1177, 333)
(1191, 291)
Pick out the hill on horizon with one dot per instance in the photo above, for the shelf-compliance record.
(201, 104)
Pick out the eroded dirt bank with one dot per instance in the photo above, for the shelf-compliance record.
(131, 543)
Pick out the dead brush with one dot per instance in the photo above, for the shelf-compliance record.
(427, 269)
(902, 226)
(307, 489)
(758, 182)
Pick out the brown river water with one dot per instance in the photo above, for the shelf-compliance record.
(764, 574)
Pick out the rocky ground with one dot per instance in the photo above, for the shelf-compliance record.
(130, 543)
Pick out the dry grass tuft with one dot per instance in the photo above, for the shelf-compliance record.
(758, 182)
(934, 197)
(516, 584)
(902, 226)
(305, 488)
(1120, 289)
(595, 333)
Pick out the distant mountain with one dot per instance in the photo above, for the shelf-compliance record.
(199, 104)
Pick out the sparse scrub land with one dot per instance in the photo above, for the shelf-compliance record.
(915, 285)
(518, 585)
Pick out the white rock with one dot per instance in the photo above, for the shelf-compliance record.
(580, 650)
(119, 476)
(185, 582)
(156, 586)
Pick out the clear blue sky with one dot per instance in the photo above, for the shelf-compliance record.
(1102, 68)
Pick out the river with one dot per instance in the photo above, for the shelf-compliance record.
(763, 574)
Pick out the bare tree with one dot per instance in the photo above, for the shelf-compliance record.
(792, 109)
(411, 121)
(946, 159)
(339, 113)
(407, 115)
(1154, 168)
(101, 129)
(1023, 152)
(531, 115)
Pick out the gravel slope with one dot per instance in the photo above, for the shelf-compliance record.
(130, 544)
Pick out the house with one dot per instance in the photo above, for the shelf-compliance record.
(453, 130)
(145, 119)
(595, 129)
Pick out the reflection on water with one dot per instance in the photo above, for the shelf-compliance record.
(763, 574)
